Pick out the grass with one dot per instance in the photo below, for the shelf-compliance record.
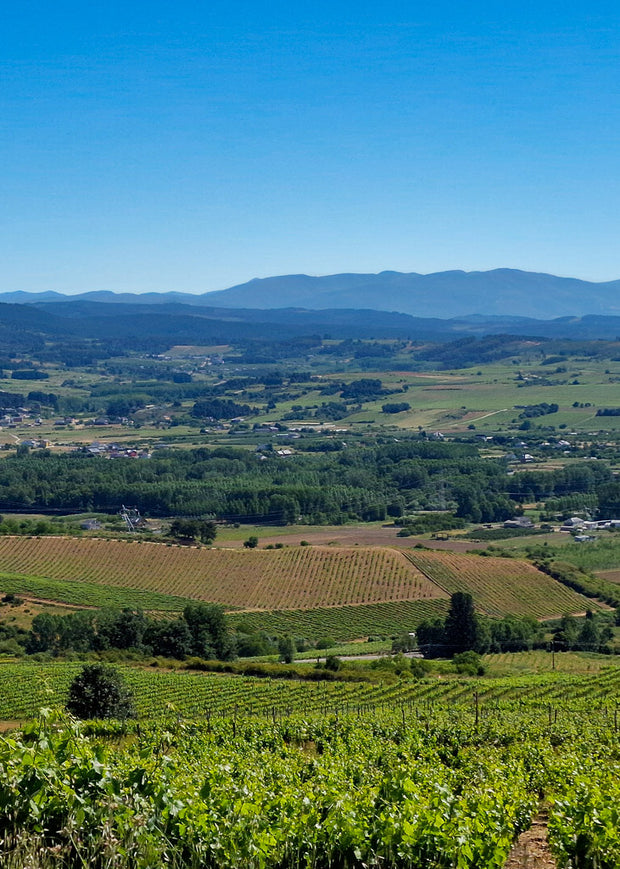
(602, 554)
(371, 647)
(540, 661)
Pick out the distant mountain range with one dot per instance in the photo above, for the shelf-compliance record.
(445, 295)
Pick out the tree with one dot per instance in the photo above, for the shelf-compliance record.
(120, 630)
(209, 631)
(286, 649)
(461, 629)
(431, 636)
(190, 529)
(568, 634)
(169, 639)
(589, 635)
(45, 633)
(251, 542)
(99, 692)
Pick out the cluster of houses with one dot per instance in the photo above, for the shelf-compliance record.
(578, 527)
(583, 527)
(113, 451)
(526, 458)
(14, 416)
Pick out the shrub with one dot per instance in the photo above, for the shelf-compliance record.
(99, 692)
(469, 664)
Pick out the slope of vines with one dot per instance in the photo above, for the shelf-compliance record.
(291, 578)
(500, 585)
(345, 623)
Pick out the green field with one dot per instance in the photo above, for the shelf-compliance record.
(226, 771)
(345, 623)
(580, 680)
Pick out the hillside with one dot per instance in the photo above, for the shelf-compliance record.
(499, 585)
(291, 579)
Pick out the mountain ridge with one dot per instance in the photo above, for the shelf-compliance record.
(447, 294)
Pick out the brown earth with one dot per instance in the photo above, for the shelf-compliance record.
(609, 575)
(355, 536)
(531, 850)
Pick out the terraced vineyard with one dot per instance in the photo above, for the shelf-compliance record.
(291, 578)
(500, 585)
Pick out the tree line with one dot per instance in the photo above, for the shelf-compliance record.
(201, 630)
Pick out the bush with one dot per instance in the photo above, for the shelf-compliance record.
(99, 692)
(469, 664)
(333, 663)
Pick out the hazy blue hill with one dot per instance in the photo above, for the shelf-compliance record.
(140, 324)
(501, 292)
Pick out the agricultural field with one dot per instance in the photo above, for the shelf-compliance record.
(26, 687)
(499, 585)
(291, 578)
(610, 575)
(305, 591)
(344, 623)
(88, 594)
(395, 788)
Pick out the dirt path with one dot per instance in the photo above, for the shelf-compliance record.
(531, 851)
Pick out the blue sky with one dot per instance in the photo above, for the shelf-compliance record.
(192, 146)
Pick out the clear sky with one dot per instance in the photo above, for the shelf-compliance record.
(193, 145)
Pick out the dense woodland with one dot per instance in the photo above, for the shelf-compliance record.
(227, 483)
(358, 482)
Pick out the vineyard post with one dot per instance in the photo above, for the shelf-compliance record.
(616, 719)
(477, 708)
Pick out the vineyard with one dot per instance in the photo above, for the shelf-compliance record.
(26, 687)
(430, 786)
(341, 592)
(500, 585)
(89, 594)
(291, 578)
(345, 623)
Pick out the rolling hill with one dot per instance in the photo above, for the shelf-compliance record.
(291, 579)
